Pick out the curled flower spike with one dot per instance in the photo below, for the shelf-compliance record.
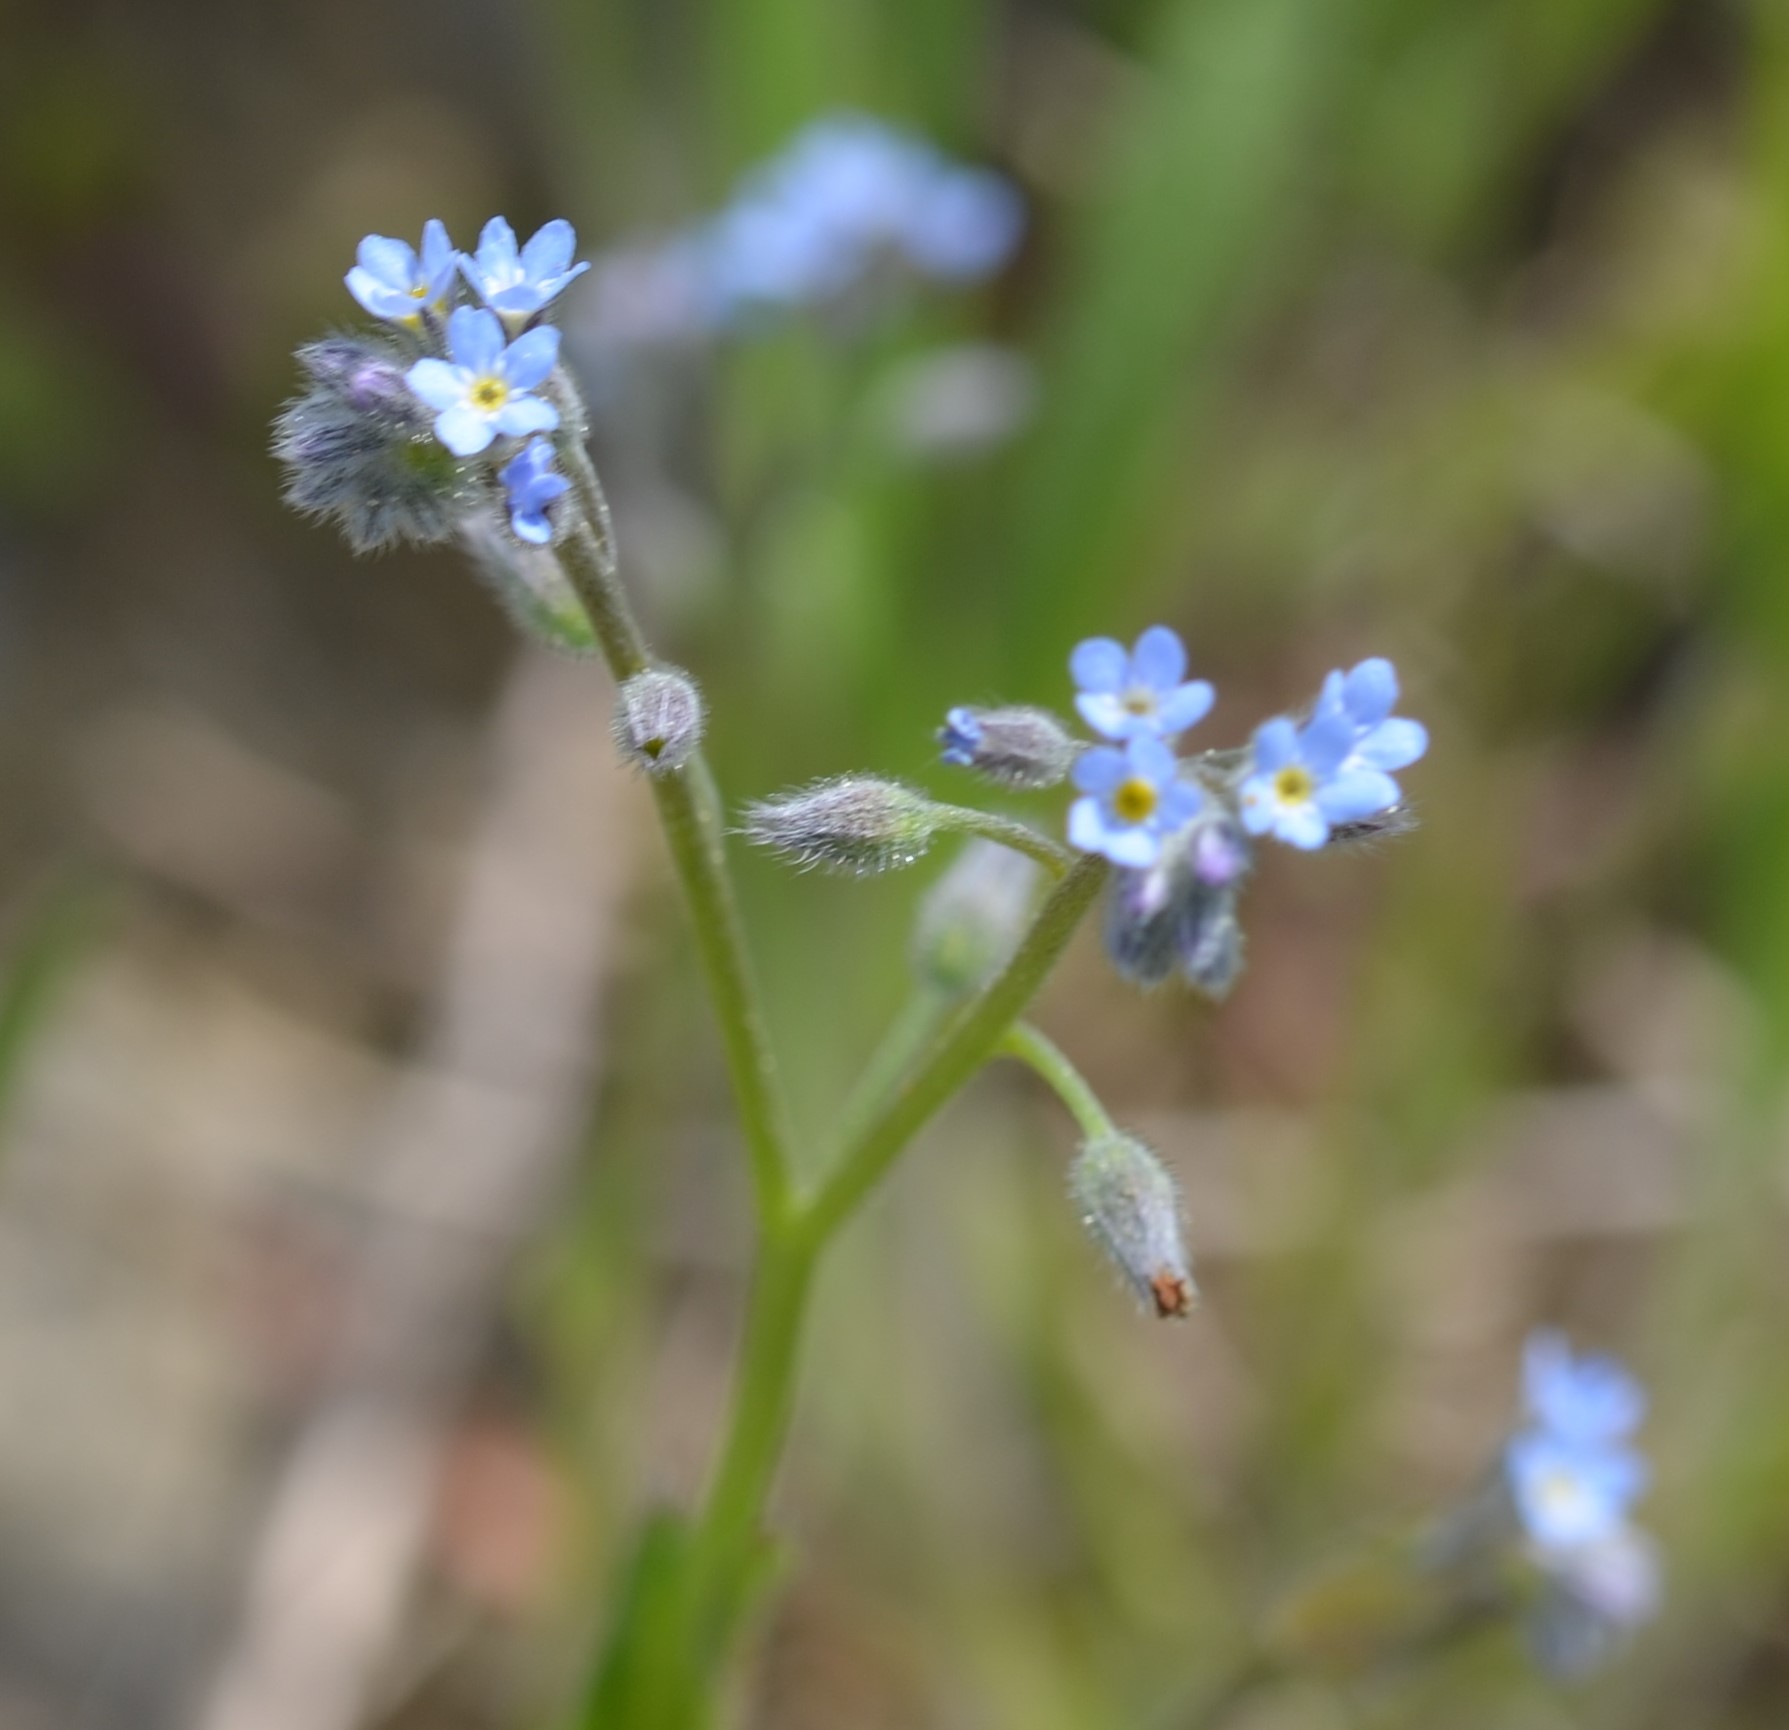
(485, 388)
(1134, 800)
(532, 484)
(519, 284)
(1124, 695)
(392, 281)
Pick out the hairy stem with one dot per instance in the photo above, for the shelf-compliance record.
(1042, 1054)
(1020, 837)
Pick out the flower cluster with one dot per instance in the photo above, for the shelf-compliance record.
(847, 197)
(1182, 828)
(1573, 1476)
(419, 432)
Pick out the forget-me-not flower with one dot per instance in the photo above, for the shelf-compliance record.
(1586, 1399)
(1570, 1493)
(485, 388)
(393, 281)
(532, 484)
(518, 283)
(1134, 799)
(1302, 782)
(1145, 691)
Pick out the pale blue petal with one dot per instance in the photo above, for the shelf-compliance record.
(475, 339)
(1087, 826)
(1099, 770)
(1159, 659)
(392, 262)
(437, 249)
(1370, 691)
(1181, 803)
(518, 300)
(1258, 804)
(1356, 794)
(1393, 744)
(1276, 744)
(522, 415)
(1301, 826)
(532, 526)
(1099, 664)
(1325, 741)
(550, 249)
(1134, 848)
(1151, 759)
(379, 298)
(1185, 706)
(464, 430)
(534, 354)
(1105, 713)
(497, 247)
(437, 383)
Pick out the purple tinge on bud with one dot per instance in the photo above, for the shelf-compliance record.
(658, 719)
(1022, 748)
(1179, 916)
(1130, 1207)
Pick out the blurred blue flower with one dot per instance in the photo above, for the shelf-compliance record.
(1587, 1399)
(1134, 800)
(1123, 695)
(519, 283)
(961, 737)
(484, 388)
(1302, 781)
(533, 484)
(1569, 1493)
(392, 281)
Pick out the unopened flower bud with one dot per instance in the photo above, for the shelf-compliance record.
(1180, 914)
(360, 449)
(856, 824)
(972, 918)
(1131, 1209)
(658, 719)
(1020, 748)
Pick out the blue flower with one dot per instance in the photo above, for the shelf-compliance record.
(1304, 781)
(1584, 1399)
(485, 388)
(1135, 799)
(533, 484)
(1366, 695)
(1124, 695)
(391, 281)
(1571, 1493)
(519, 284)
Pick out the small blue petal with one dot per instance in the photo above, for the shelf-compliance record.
(1159, 659)
(1105, 713)
(1370, 691)
(436, 383)
(1185, 706)
(549, 251)
(1325, 741)
(1276, 744)
(1393, 744)
(531, 357)
(1134, 848)
(497, 246)
(1087, 826)
(1151, 759)
(1301, 826)
(1181, 803)
(392, 262)
(463, 429)
(1356, 794)
(522, 415)
(475, 339)
(1099, 665)
(1100, 770)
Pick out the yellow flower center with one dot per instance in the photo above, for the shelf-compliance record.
(1138, 701)
(1293, 785)
(420, 291)
(1135, 799)
(489, 394)
(1559, 1492)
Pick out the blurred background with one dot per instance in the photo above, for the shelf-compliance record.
(372, 1233)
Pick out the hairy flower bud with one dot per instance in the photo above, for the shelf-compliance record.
(1131, 1209)
(360, 449)
(658, 719)
(1020, 748)
(972, 918)
(529, 582)
(856, 824)
(1179, 915)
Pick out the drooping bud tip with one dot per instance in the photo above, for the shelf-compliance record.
(1130, 1207)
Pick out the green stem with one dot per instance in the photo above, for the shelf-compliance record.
(690, 812)
(966, 820)
(958, 1051)
(1029, 1046)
